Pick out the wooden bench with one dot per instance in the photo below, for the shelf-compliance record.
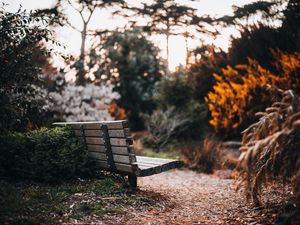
(109, 145)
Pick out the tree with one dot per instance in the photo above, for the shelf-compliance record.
(285, 11)
(255, 42)
(290, 26)
(168, 17)
(131, 63)
(276, 28)
(21, 35)
(208, 60)
(86, 10)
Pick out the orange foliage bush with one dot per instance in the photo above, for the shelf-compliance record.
(241, 91)
(117, 112)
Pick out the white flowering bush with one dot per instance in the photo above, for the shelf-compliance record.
(83, 103)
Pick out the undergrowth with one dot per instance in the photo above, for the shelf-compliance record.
(204, 156)
(40, 203)
(271, 147)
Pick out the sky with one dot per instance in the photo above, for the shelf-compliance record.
(71, 38)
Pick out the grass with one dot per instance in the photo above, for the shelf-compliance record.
(34, 203)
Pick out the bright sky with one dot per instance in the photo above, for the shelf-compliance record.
(103, 19)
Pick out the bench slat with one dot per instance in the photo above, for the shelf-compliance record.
(112, 133)
(153, 160)
(154, 169)
(163, 166)
(127, 168)
(115, 149)
(93, 140)
(129, 159)
(113, 141)
(120, 142)
(149, 166)
(119, 124)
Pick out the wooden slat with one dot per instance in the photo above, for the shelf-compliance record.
(96, 148)
(115, 149)
(126, 159)
(125, 168)
(120, 142)
(149, 166)
(113, 141)
(88, 133)
(119, 133)
(112, 133)
(122, 150)
(153, 160)
(94, 140)
(160, 166)
(154, 168)
(97, 155)
(119, 124)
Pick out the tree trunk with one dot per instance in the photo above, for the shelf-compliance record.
(167, 47)
(82, 72)
(186, 51)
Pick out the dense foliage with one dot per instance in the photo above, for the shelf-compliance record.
(21, 34)
(131, 63)
(208, 60)
(43, 155)
(176, 92)
(241, 91)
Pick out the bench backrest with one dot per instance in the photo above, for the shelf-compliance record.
(109, 144)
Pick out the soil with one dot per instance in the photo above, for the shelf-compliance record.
(187, 197)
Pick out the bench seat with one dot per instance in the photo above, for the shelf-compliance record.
(110, 146)
(148, 165)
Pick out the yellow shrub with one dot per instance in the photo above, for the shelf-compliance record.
(241, 91)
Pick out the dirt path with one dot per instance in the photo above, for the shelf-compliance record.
(191, 198)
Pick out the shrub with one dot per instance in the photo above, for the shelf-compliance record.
(42, 155)
(271, 148)
(241, 91)
(164, 125)
(204, 156)
(176, 92)
(83, 103)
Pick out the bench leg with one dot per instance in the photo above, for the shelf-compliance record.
(132, 181)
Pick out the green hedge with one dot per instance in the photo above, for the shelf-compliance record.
(43, 155)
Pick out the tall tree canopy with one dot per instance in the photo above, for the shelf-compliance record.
(168, 17)
(85, 9)
(131, 62)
